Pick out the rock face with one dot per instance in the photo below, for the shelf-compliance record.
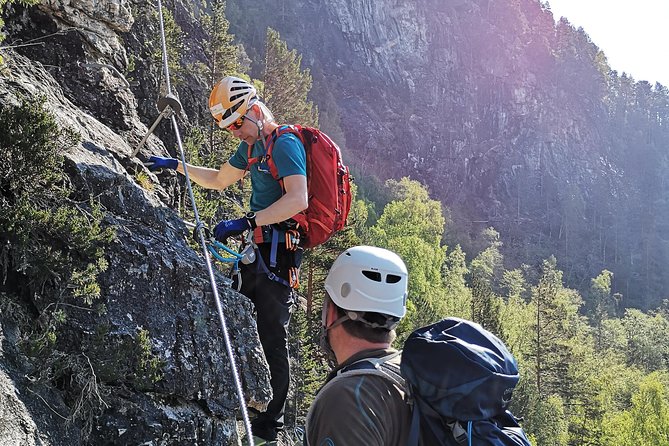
(155, 283)
(511, 119)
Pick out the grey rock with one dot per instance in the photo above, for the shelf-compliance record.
(155, 282)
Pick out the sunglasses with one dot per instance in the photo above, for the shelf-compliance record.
(237, 124)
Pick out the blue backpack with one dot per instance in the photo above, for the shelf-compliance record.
(460, 378)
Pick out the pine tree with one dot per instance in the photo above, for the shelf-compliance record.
(485, 268)
(286, 84)
(516, 315)
(223, 58)
(556, 321)
(601, 302)
(220, 49)
(285, 88)
(458, 294)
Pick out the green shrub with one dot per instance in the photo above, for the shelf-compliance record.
(51, 252)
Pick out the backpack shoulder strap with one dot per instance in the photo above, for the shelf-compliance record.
(370, 366)
(390, 371)
(375, 366)
(279, 131)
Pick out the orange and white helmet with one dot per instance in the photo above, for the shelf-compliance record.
(230, 100)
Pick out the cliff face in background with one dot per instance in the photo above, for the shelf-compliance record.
(155, 283)
(512, 120)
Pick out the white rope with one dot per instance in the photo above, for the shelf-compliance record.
(212, 279)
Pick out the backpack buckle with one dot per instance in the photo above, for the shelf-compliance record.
(459, 433)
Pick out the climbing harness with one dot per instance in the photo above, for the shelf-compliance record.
(249, 253)
(293, 253)
(171, 105)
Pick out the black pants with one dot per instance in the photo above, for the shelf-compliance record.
(273, 302)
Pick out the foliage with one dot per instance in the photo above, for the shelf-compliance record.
(484, 269)
(458, 296)
(286, 84)
(412, 226)
(515, 313)
(308, 364)
(600, 301)
(645, 340)
(52, 250)
(551, 426)
(646, 422)
(600, 380)
(46, 234)
(220, 49)
(174, 42)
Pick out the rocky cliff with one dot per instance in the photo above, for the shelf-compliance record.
(155, 285)
(511, 119)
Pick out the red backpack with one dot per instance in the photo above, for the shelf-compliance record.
(328, 184)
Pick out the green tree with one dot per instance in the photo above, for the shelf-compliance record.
(646, 422)
(601, 302)
(516, 314)
(556, 321)
(223, 60)
(286, 85)
(646, 340)
(309, 365)
(458, 294)
(412, 225)
(485, 268)
(220, 49)
(176, 48)
(549, 426)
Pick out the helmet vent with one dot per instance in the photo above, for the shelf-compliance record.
(373, 275)
(393, 278)
(231, 110)
(345, 289)
(237, 96)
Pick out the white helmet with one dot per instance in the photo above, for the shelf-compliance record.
(369, 279)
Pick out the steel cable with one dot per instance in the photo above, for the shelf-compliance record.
(212, 279)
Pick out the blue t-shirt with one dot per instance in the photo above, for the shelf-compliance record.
(290, 159)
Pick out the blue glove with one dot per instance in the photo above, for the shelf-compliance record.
(158, 162)
(228, 228)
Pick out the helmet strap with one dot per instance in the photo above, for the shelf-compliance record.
(324, 316)
(339, 321)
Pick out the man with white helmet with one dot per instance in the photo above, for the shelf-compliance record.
(366, 298)
(235, 107)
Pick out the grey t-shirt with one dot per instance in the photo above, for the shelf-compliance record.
(356, 409)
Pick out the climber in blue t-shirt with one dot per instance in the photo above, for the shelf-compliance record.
(235, 106)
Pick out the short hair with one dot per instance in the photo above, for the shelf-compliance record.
(360, 329)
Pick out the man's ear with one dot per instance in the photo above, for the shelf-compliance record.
(255, 111)
(332, 314)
